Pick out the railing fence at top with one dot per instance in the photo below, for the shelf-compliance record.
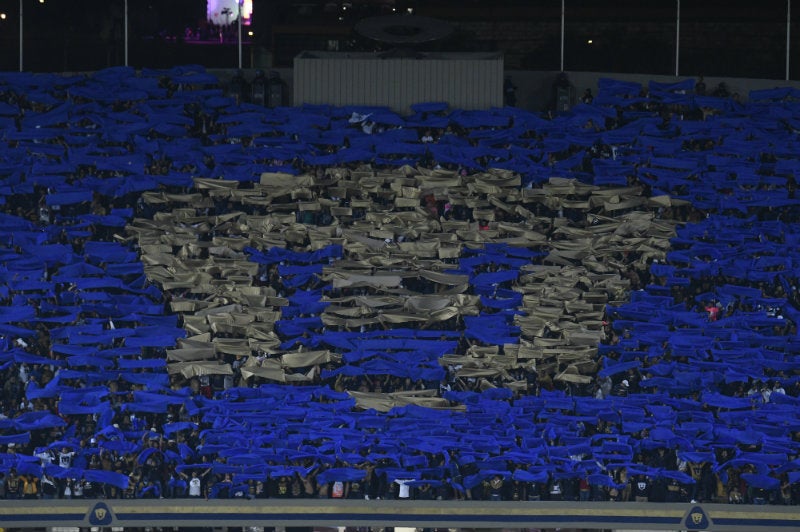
(564, 27)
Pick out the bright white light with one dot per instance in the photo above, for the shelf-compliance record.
(589, 41)
(221, 12)
(250, 33)
(2, 16)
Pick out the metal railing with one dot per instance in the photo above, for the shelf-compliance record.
(566, 28)
(395, 513)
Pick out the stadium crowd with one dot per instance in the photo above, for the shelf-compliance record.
(207, 298)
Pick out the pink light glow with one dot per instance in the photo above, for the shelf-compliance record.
(216, 9)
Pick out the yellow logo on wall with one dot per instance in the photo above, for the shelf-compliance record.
(100, 515)
(696, 519)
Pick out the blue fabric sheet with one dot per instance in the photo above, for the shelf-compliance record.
(682, 404)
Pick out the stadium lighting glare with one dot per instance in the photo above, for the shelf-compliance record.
(2, 16)
(226, 12)
(590, 41)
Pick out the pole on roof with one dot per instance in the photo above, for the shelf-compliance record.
(562, 36)
(239, 3)
(20, 37)
(126, 32)
(678, 39)
(788, 34)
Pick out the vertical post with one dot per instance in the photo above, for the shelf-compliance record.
(788, 34)
(239, 3)
(125, 22)
(21, 53)
(562, 35)
(678, 40)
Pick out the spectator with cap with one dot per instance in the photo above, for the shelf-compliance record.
(621, 389)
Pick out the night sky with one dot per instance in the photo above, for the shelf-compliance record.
(722, 38)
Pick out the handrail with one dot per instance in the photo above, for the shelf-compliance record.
(396, 513)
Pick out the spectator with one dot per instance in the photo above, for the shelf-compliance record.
(13, 485)
(30, 487)
(621, 389)
(700, 87)
(48, 487)
(509, 92)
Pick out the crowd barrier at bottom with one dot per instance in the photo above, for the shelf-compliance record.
(395, 513)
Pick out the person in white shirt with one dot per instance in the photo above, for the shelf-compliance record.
(65, 457)
(196, 482)
(404, 491)
(194, 485)
(45, 456)
(49, 488)
(77, 488)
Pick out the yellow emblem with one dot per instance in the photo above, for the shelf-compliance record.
(100, 513)
(697, 517)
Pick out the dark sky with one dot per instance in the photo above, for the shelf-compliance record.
(718, 37)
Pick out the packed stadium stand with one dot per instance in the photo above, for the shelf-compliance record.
(207, 298)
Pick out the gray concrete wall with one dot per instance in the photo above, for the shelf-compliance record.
(465, 81)
(476, 515)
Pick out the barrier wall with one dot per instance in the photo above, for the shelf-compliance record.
(452, 514)
(465, 81)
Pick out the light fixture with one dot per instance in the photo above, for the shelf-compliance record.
(2, 16)
(250, 33)
(589, 41)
